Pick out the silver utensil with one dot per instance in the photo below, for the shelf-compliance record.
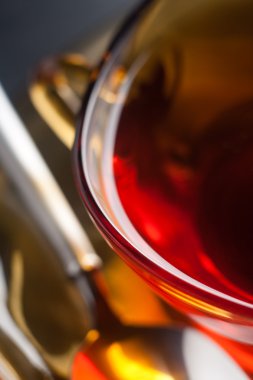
(116, 351)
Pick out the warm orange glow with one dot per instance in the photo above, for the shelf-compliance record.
(127, 368)
(194, 302)
(83, 368)
(110, 92)
(131, 298)
(92, 336)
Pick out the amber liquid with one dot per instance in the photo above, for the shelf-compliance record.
(183, 164)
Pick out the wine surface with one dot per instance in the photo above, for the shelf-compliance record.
(183, 161)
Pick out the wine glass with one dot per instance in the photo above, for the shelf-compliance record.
(163, 159)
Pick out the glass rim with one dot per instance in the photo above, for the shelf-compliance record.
(218, 300)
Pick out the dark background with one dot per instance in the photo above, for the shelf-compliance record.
(33, 29)
(30, 30)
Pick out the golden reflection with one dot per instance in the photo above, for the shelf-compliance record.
(110, 91)
(194, 302)
(7, 371)
(59, 363)
(118, 77)
(54, 117)
(127, 368)
(96, 145)
(92, 336)
(131, 298)
(38, 182)
(56, 93)
(109, 96)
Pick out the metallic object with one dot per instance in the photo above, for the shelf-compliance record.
(28, 170)
(56, 93)
(60, 233)
(113, 350)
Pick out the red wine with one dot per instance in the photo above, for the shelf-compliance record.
(183, 166)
